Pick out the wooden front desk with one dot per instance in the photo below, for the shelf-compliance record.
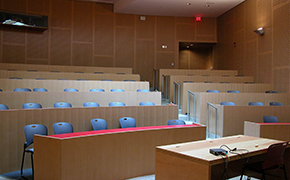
(108, 154)
(192, 160)
(279, 131)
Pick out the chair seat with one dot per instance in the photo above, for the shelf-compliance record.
(30, 150)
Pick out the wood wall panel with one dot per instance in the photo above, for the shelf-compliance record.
(15, 5)
(239, 17)
(38, 6)
(278, 2)
(83, 21)
(251, 66)
(104, 34)
(82, 54)
(145, 29)
(14, 36)
(125, 20)
(265, 68)
(281, 34)
(61, 13)
(37, 45)
(206, 30)
(165, 33)
(60, 47)
(187, 20)
(145, 58)
(125, 47)
(281, 80)
(13, 53)
(250, 19)
(103, 8)
(165, 60)
(239, 51)
(104, 61)
(184, 59)
(185, 31)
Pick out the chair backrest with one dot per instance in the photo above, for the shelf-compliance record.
(70, 90)
(22, 90)
(212, 91)
(208, 82)
(97, 90)
(39, 90)
(227, 103)
(99, 124)
(31, 106)
(175, 122)
(274, 155)
(30, 130)
(91, 104)
(62, 128)
(81, 79)
(117, 90)
(187, 81)
(146, 103)
(256, 104)
(233, 91)
(270, 119)
(129, 80)
(3, 107)
(116, 104)
(106, 80)
(40, 79)
(143, 90)
(271, 91)
(276, 104)
(62, 105)
(15, 78)
(1, 90)
(127, 122)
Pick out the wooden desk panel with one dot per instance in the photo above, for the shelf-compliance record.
(279, 131)
(192, 160)
(13, 121)
(112, 156)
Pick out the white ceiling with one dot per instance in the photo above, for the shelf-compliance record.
(178, 8)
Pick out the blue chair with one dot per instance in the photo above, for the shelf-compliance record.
(129, 80)
(31, 106)
(175, 122)
(106, 80)
(212, 91)
(91, 104)
(63, 79)
(187, 81)
(208, 82)
(15, 78)
(62, 128)
(81, 79)
(227, 103)
(271, 92)
(276, 104)
(1, 90)
(127, 122)
(97, 90)
(29, 131)
(233, 91)
(3, 107)
(40, 78)
(39, 90)
(98, 73)
(270, 119)
(78, 72)
(22, 90)
(146, 103)
(116, 104)
(62, 105)
(143, 90)
(70, 90)
(256, 104)
(225, 82)
(99, 124)
(117, 90)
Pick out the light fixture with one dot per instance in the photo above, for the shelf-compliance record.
(188, 3)
(260, 31)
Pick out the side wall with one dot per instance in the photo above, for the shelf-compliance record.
(90, 34)
(266, 57)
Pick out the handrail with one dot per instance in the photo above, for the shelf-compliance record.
(178, 98)
(188, 105)
(155, 79)
(207, 119)
(166, 92)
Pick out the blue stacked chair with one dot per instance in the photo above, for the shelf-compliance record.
(31, 106)
(91, 104)
(99, 124)
(3, 107)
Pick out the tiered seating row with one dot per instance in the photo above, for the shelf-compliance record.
(12, 123)
(85, 69)
(14, 100)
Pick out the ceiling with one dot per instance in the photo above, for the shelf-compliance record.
(177, 8)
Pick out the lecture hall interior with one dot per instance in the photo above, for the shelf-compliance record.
(144, 89)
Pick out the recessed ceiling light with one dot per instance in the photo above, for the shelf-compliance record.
(188, 3)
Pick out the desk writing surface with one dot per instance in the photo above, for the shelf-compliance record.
(198, 151)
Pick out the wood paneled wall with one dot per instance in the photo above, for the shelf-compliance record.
(90, 34)
(264, 57)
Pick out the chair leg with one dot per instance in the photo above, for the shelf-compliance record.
(21, 171)
(241, 178)
(32, 166)
(285, 171)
